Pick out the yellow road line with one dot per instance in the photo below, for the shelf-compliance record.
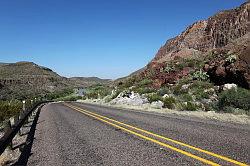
(149, 139)
(169, 139)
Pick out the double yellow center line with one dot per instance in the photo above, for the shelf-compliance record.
(117, 124)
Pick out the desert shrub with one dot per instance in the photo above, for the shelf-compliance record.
(145, 82)
(198, 87)
(154, 97)
(169, 69)
(169, 102)
(69, 98)
(164, 90)
(201, 85)
(151, 72)
(185, 80)
(92, 95)
(128, 82)
(186, 97)
(177, 90)
(190, 63)
(231, 58)
(59, 94)
(236, 98)
(200, 75)
(144, 90)
(180, 66)
(97, 90)
(209, 106)
(9, 109)
(200, 94)
(189, 106)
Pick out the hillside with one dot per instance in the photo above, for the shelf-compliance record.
(205, 68)
(88, 81)
(206, 44)
(26, 79)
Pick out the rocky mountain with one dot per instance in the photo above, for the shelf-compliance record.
(26, 79)
(212, 41)
(202, 36)
(88, 81)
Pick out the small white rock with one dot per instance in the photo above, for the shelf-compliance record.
(229, 86)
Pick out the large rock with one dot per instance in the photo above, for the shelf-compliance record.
(132, 98)
(157, 104)
(229, 86)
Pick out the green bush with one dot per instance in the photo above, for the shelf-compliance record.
(169, 69)
(180, 66)
(200, 75)
(143, 90)
(164, 90)
(154, 97)
(69, 98)
(9, 109)
(169, 102)
(97, 90)
(177, 90)
(236, 98)
(201, 85)
(186, 97)
(190, 106)
(198, 87)
(200, 94)
(128, 82)
(59, 94)
(145, 82)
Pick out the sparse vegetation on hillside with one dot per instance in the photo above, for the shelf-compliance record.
(98, 91)
(59, 94)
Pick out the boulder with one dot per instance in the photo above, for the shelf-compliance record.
(157, 104)
(130, 99)
(229, 86)
(165, 96)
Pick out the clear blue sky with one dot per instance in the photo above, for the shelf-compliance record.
(104, 38)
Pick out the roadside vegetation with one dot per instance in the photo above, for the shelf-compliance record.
(193, 92)
(12, 108)
(9, 109)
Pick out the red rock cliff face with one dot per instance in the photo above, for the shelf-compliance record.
(202, 36)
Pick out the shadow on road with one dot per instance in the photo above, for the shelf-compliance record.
(26, 150)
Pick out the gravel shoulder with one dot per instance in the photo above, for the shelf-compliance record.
(212, 116)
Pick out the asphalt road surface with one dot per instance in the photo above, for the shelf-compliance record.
(84, 134)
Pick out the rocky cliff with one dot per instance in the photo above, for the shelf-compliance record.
(215, 32)
(211, 41)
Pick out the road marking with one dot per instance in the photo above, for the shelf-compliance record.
(167, 139)
(158, 136)
(147, 138)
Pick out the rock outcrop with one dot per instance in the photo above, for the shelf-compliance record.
(202, 36)
(227, 32)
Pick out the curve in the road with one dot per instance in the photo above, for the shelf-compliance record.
(115, 124)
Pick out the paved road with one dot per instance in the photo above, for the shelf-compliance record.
(84, 134)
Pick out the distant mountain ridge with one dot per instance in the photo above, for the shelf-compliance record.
(25, 79)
